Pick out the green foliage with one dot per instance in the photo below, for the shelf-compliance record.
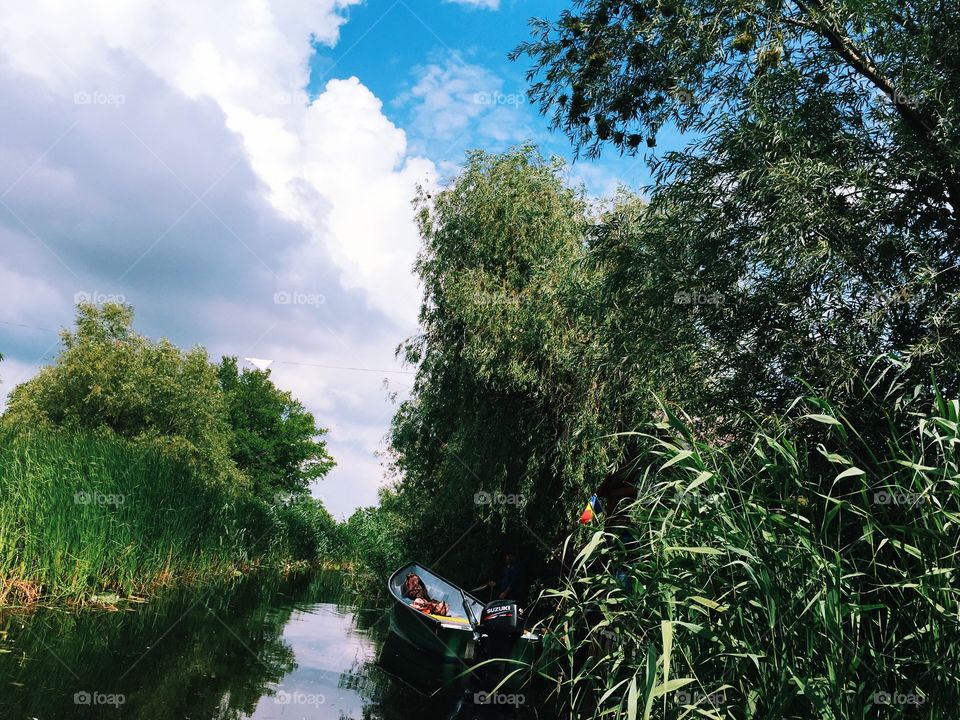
(546, 330)
(83, 514)
(501, 403)
(612, 72)
(311, 531)
(814, 220)
(212, 468)
(110, 379)
(274, 439)
(742, 284)
(803, 243)
(374, 540)
(778, 580)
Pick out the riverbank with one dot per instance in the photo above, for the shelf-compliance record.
(85, 517)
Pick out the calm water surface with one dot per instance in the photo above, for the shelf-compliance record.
(265, 648)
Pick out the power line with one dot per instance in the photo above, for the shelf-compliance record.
(342, 367)
(273, 362)
(24, 325)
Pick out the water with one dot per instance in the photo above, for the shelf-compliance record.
(266, 648)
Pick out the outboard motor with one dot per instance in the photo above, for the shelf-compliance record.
(501, 618)
(497, 632)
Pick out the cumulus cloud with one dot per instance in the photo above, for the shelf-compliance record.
(166, 154)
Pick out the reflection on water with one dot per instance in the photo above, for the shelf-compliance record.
(266, 648)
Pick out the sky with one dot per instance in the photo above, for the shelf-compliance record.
(241, 173)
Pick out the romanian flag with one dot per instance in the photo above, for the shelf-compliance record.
(593, 507)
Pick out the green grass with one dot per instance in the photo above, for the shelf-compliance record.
(83, 515)
(811, 574)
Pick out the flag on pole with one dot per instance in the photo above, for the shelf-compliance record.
(589, 512)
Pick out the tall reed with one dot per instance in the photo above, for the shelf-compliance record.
(82, 514)
(811, 574)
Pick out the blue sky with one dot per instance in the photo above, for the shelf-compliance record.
(242, 175)
(394, 46)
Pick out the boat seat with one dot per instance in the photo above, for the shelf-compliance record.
(451, 619)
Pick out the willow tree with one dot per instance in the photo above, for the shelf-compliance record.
(504, 414)
(815, 209)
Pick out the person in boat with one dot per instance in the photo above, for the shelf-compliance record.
(510, 586)
(415, 590)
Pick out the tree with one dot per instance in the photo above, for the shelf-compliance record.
(108, 378)
(504, 406)
(817, 219)
(275, 441)
(617, 72)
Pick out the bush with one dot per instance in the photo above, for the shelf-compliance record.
(130, 462)
(81, 513)
(311, 531)
(374, 541)
(110, 379)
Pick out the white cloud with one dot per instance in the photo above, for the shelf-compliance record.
(448, 97)
(191, 176)
(23, 295)
(456, 105)
(252, 60)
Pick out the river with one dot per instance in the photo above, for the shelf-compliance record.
(266, 648)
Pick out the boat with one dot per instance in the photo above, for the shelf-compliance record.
(463, 636)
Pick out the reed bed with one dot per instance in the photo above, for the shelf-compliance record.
(810, 574)
(83, 515)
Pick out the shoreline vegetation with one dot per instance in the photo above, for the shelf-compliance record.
(783, 435)
(85, 518)
(130, 466)
(756, 363)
